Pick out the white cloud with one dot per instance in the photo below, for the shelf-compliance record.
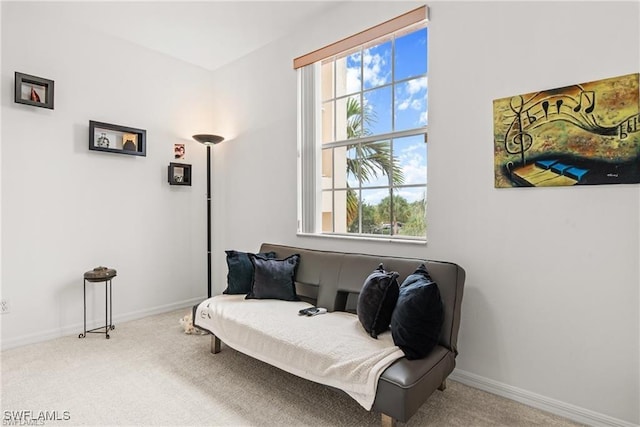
(415, 172)
(348, 68)
(416, 85)
(413, 164)
(353, 80)
(404, 105)
(407, 151)
(373, 66)
(423, 118)
(413, 94)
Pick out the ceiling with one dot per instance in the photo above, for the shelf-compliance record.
(206, 33)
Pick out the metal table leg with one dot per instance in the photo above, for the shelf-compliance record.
(108, 310)
(84, 297)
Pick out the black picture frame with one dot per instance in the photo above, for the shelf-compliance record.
(33, 90)
(179, 174)
(117, 139)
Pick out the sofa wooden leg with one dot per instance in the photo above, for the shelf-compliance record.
(443, 386)
(215, 344)
(387, 421)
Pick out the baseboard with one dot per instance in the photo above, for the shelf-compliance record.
(77, 328)
(567, 410)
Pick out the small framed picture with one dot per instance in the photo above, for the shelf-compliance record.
(178, 151)
(117, 139)
(32, 90)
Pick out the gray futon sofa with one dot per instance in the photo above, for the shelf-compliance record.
(334, 279)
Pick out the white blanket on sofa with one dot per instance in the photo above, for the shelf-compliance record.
(331, 349)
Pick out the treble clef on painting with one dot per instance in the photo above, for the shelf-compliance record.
(520, 143)
(517, 141)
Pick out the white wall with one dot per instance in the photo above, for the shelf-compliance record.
(66, 209)
(551, 303)
(552, 306)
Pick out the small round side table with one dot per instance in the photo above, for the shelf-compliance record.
(100, 274)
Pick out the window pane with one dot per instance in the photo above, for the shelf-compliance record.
(352, 166)
(327, 122)
(377, 111)
(340, 211)
(375, 213)
(340, 169)
(327, 211)
(348, 75)
(327, 168)
(411, 104)
(410, 154)
(411, 55)
(409, 206)
(353, 211)
(348, 118)
(375, 163)
(327, 80)
(376, 65)
(370, 222)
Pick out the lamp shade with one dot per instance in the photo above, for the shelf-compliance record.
(207, 139)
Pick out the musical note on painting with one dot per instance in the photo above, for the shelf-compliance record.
(545, 107)
(559, 104)
(632, 125)
(531, 118)
(592, 102)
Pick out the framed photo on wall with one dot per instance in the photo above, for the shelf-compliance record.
(178, 151)
(32, 90)
(117, 139)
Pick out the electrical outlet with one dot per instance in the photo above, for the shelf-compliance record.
(4, 306)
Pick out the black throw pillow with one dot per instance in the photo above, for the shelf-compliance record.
(418, 316)
(274, 278)
(240, 272)
(377, 300)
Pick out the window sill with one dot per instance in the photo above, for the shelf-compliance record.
(365, 238)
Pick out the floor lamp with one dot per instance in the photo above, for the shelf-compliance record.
(208, 140)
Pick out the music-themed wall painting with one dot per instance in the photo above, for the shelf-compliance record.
(584, 134)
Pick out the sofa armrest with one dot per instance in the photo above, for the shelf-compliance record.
(405, 385)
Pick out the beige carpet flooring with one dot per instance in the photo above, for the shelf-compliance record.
(151, 373)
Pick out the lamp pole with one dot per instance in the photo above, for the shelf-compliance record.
(208, 220)
(208, 140)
